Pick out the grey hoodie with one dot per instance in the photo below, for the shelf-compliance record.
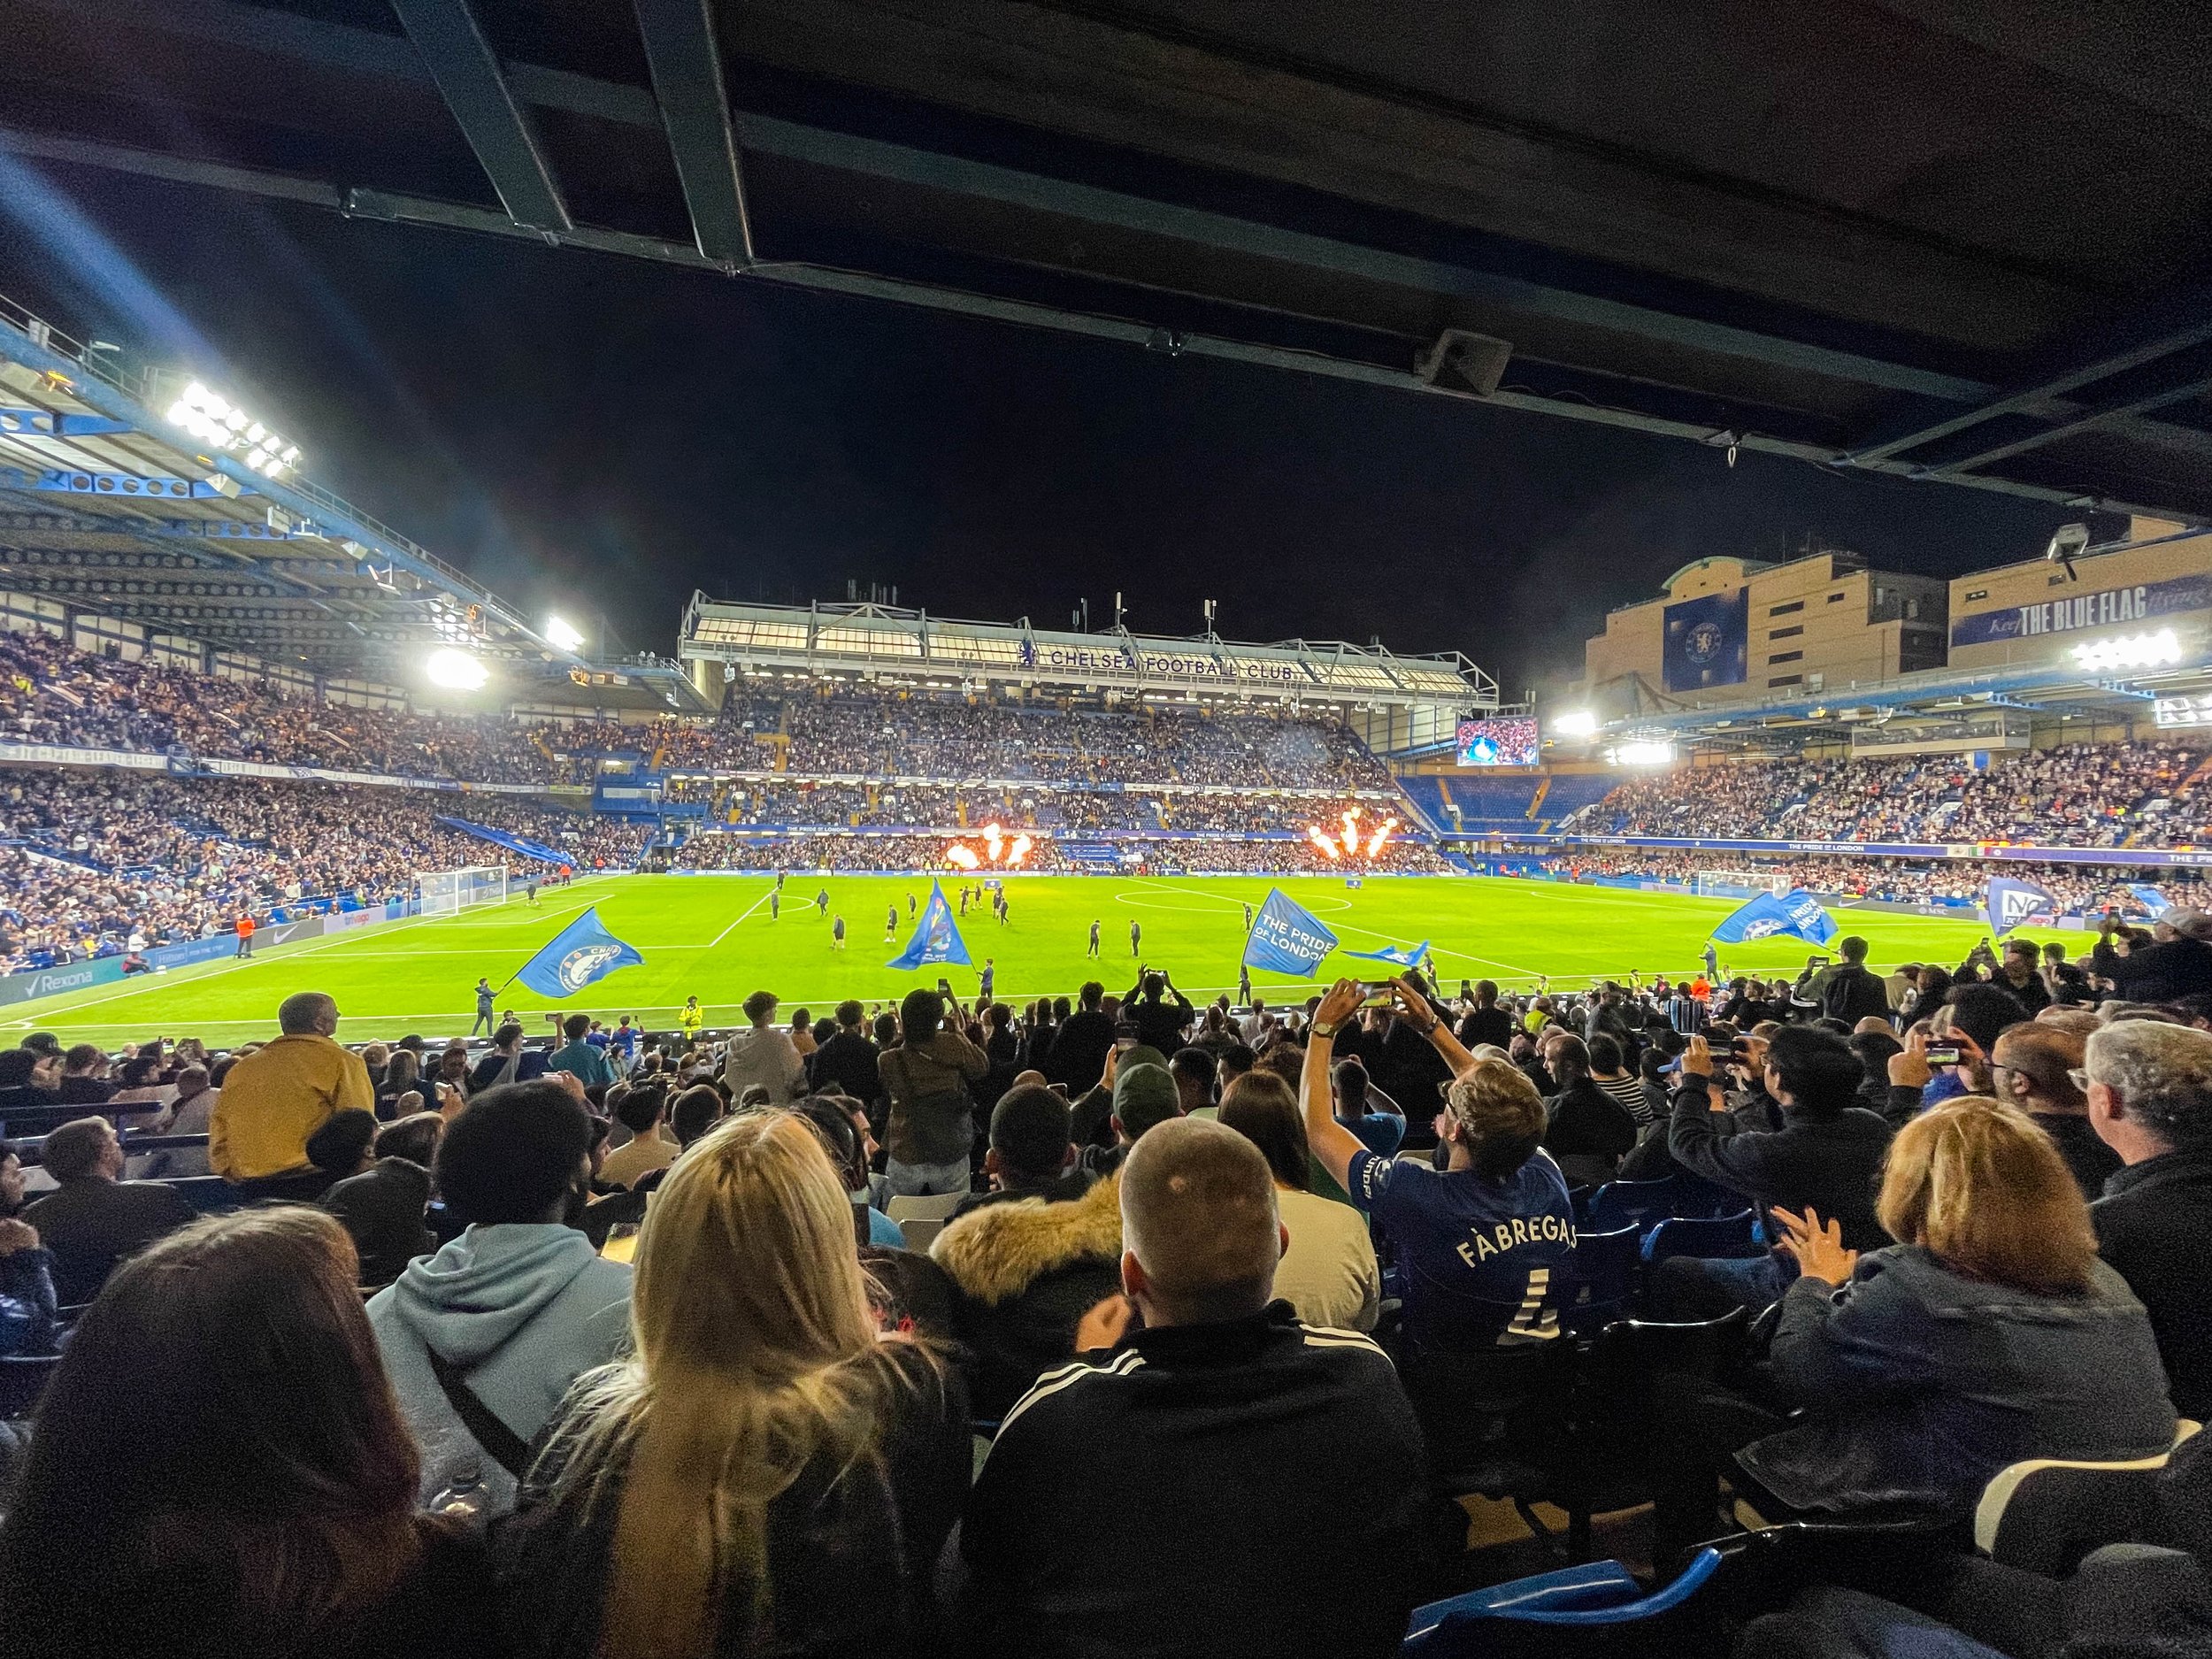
(523, 1309)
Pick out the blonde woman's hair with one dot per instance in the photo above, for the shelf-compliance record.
(1500, 1114)
(1981, 1186)
(756, 1353)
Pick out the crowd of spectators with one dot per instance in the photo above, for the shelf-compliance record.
(107, 863)
(2079, 890)
(615, 1347)
(863, 853)
(2081, 795)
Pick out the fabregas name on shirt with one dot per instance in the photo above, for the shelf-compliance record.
(1483, 1243)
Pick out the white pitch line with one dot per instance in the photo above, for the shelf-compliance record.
(732, 928)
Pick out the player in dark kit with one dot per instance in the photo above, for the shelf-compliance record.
(1094, 949)
(890, 924)
(1136, 937)
(837, 934)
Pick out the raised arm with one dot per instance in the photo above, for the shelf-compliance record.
(1331, 1142)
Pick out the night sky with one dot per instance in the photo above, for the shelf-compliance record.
(605, 435)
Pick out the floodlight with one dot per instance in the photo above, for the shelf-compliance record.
(1574, 723)
(1644, 754)
(455, 671)
(564, 634)
(2141, 651)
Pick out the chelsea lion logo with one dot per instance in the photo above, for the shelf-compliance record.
(579, 967)
(1702, 643)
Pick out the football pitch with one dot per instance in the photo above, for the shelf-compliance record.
(714, 936)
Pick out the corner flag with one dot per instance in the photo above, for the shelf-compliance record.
(935, 938)
(1286, 937)
(579, 955)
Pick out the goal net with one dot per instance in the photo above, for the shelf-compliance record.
(1738, 884)
(450, 892)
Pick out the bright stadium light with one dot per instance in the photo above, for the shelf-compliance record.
(455, 671)
(224, 426)
(1574, 723)
(564, 634)
(2139, 650)
(1642, 754)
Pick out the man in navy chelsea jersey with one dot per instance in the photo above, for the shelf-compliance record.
(1484, 1248)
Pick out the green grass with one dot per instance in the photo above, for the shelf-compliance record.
(711, 935)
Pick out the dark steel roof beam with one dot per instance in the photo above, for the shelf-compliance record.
(686, 66)
(460, 58)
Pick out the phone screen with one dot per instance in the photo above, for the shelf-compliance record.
(1945, 1054)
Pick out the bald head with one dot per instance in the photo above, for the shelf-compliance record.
(2035, 1059)
(1198, 1224)
(306, 1014)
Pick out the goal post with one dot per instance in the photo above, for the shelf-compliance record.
(1737, 884)
(450, 892)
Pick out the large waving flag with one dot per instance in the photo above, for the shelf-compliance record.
(1768, 917)
(2150, 898)
(580, 954)
(1286, 937)
(1399, 956)
(2011, 902)
(935, 939)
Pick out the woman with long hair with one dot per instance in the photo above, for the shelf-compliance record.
(767, 1473)
(219, 1469)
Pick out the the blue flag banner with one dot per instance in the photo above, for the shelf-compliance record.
(579, 955)
(1796, 913)
(1286, 937)
(936, 939)
(1402, 956)
(2010, 902)
(2150, 898)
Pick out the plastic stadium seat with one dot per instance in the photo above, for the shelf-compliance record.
(2044, 1515)
(210, 1194)
(1596, 1597)
(928, 1207)
(1717, 1237)
(1605, 1274)
(1647, 1203)
(920, 1231)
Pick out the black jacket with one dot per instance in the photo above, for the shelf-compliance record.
(1025, 1273)
(91, 1225)
(1851, 994)
(2152, 1224)
(2158, 974)
(1079, 1053)
(1833, 1163)
(1164, 1024)
(382, 1207)
(1493, 1026)
(1585, 1122)
(2092, 1163)
(850, 1546)
(1274, 1475)
(847, 1062)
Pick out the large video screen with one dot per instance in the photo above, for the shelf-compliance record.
(1507, 741)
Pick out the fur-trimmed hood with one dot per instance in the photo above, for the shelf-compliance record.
(999, 1251)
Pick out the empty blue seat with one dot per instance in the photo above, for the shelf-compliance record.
(1715, 1237)
(1597, 1594)
(1648, 1204)
(1605, 1274)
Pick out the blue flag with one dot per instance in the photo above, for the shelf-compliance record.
(1287, 938)
(935, 937)
(582, 952)
(1403, 956)
(2150, 898)
(1768, 917)
(2012, 901)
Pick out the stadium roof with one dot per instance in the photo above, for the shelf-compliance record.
(109, 504)
(883, 641)
(1950, 240)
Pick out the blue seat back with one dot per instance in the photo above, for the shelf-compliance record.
(1717, 1237)
(1605, 1275)
(1598, 1594)
(210, 1194)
